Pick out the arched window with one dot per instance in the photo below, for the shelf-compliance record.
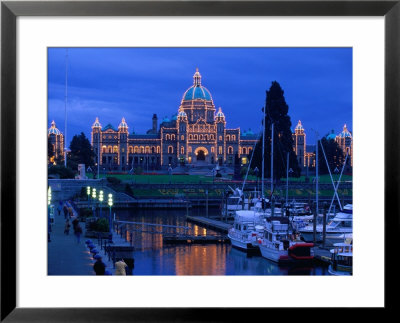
(147, 150)
(201, 137)
(142, 149)
(153, 149)
(170, 150)
(212, 149)
(109, 149)
(196, 137)
(182, 137)
(136, 149)
(220, 150)
(228, 137)
(190, 137)
(189, 149)
(244, 151)
(115, 150)
(182, 150)
(167, 137)
(230, 150)
(158, 149)
(172, 137)
(233, 137)
(249, 150)
(220, 138)
(104, 149)
(130, 149)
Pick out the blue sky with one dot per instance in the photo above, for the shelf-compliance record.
(135, 83)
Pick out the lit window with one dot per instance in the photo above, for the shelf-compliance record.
(170, 150)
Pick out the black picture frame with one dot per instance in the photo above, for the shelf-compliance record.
(10, 10)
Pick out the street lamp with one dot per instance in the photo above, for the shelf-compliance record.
(110, 204)
(101, 200)
(94, 194)
(88, 192)
(48, 214)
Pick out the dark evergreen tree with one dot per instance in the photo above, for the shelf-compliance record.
(334, 156)
(276, 112)
(81, 152)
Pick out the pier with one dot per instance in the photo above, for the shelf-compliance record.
(188, 239)
(209, 223)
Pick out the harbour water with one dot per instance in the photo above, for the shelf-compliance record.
(154, 257)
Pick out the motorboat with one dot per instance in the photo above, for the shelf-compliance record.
(341, 263)
(341, 224)
(246, 230)
(280, 245)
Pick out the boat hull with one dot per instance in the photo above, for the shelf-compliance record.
(341, 271)
(273, 255)
(243, 245)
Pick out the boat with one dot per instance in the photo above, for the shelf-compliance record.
(340, 226)
(341, 263)
(246, 230)
(280, 245)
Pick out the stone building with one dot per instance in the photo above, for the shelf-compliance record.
(56, 140)
(196, 135)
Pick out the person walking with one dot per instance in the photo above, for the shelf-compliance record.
(99, 266)
(65, 211)
(78, 232)
(59, 207)
(67, 227)
(120, 267)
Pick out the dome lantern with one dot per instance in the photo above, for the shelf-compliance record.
(96, 124)
(123, 125)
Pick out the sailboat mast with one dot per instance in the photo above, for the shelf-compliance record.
(272, 159)
(263, 149)
(287, 178)
(316, 178)
(65, 108)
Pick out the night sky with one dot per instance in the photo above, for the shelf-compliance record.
(135, 83)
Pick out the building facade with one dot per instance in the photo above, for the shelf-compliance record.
(56, 143)
(196, 135)
(306, 153)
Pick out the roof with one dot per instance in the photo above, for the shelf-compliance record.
(197, 91)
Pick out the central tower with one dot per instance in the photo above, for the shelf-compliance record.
(197, 102)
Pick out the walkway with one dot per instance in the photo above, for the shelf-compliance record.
(65, 255)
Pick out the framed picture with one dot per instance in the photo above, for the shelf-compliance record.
(31, 34)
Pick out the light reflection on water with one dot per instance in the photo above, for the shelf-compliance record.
(153, 257)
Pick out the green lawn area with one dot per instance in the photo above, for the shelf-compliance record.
(176, 179)
(160, 179)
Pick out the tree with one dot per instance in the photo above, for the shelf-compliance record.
(81, 152)
(334, 155)
(276, 112)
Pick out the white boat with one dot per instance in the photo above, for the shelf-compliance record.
(341, 224)
(279, 245)
(341, 260)
(246, 230)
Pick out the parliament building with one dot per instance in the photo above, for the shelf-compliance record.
(196, 135)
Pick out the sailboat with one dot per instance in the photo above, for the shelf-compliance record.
(278, 242)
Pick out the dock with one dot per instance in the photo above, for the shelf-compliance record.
(210, 223)
(190, 239)
(322, 256)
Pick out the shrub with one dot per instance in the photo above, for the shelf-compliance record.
(60, 170)
(102, 225)
(113, 180)
(128, 190)
(85, 213)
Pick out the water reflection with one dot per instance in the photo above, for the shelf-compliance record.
(153, 257)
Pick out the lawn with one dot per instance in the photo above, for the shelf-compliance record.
(195, 179)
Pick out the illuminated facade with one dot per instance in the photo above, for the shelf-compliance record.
(197, 134)
(345, 142)
(56, 140)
